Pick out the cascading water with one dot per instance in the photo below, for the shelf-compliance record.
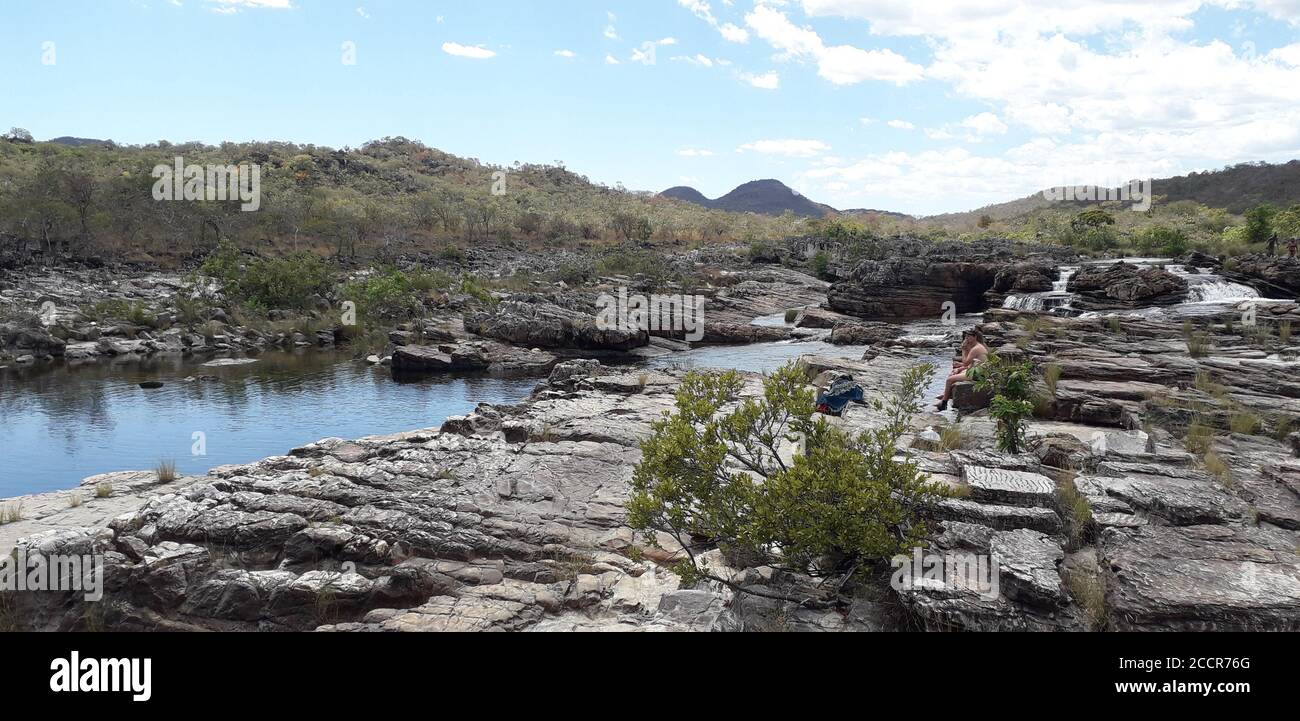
(1058, 297)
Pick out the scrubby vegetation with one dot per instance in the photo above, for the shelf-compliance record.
(841, 508)
(389, 195)
(1009, 382)
(396, 195)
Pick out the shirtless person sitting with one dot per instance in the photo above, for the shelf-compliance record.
(973, 352)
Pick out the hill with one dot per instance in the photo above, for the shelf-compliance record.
(1236, 189)
(89, 198)
(764, 197)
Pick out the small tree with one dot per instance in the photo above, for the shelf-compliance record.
(1010, 383)
(1259, 223)
(18, 135)
(821, 265)
(841, 507)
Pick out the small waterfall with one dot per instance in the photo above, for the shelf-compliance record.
(1210, 288)
(1038, 302)
(1067, 272)
(1214, 289)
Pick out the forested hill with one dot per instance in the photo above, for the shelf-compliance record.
(1236, 189)
(74, 197)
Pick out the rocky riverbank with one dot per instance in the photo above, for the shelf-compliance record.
(1160, 489)
(512, 518)
(88, 315)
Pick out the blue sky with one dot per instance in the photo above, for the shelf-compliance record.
(919, 107)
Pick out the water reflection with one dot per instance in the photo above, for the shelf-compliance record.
(59, 425)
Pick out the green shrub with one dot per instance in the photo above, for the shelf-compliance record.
(838, 509)
(1010, 384)
(392, 294)
(821, 265)
(283, 283)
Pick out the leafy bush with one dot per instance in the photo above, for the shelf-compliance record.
(391, 294)
(821, 265)
(846, 503)
(1010, 383)
(285, 283)
(1163, 240)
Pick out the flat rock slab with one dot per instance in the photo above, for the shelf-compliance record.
(1189, 501)
(1027, 566)
(999, 517)
(1016, 488)
(1203, 578)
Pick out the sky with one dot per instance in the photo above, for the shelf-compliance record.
(918, 107)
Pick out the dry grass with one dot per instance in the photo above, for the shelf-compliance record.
(11, 512)
(951, 438)
(103, 490)
(1244, 422)
(166, 471)
(75, 499)
(1205, 384)
(1052, 376)
(1199, 437)
(1074, 508)
(1217, 467)
(1089, 591)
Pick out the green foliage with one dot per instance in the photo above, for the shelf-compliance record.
(286, 283)
(1010, 383)
(393, 294)
(1162, 240)
(1287, 222)
(1093, 218)
(710, 478)
(821, 265)
(388, 194)
(1259, 223)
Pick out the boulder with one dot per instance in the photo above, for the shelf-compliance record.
(864, 333)
(546, 325)
(1121, 286)
(439, 359)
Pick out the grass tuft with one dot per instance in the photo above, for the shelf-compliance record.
(166, 471)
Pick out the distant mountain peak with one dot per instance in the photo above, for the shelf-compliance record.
(765, 197)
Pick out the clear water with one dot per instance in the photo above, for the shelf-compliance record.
(59, 425)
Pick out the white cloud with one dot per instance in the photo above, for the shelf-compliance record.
(695, 153)
(566, 54)
(766, 81)
(611, 60)
(787, 148)
(646, 54)
(701, 60)
(901, 125)
(729, 31)
(233, 6)
(839, 64)
(474, 52)
(362, 12)
(1094, 90)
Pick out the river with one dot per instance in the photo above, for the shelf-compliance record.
(63, 423)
